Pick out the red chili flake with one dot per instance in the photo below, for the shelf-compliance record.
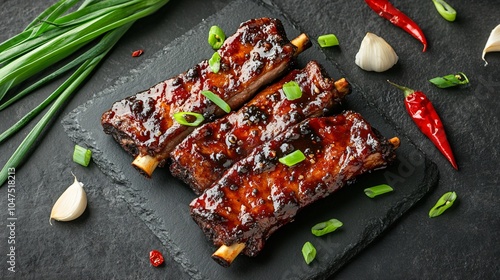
(137, 53)
(156, 258)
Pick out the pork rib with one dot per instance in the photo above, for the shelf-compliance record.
(258, 194)
(203, 157)
(143, 124)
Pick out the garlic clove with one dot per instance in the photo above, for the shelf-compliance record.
(375, 54)
(493, 43)
(71, 204)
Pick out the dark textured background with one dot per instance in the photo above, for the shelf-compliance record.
(109, 242)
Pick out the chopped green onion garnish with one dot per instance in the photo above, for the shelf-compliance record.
(326, 227)
(217, 100)
(377, 190)
(450, 80)
(292, 90)
(81, 155)
(445, 10)
(328, 40)
(214, 62)
(445, 202)
(189, 118)
(293, 158)
(309, 252)
(216, 37)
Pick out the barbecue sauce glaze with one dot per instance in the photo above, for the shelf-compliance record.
(257, 53)
(203, 157)
(258, 194)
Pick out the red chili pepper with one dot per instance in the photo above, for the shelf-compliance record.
(426, 118)
(386, 10)
(156, 258)
(137, 53)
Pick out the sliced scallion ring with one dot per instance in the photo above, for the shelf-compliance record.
(214, 62)
(328, 40)
(377, 190)
(292, 90)
(216, 37)
(450, 80)
(189, 118)
(82, 155)
(217, 100)
(445, 202)
(292, 158)
(309, 252)
(326, 227)
(445, 10)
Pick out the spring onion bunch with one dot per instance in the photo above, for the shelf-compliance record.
(55, 34)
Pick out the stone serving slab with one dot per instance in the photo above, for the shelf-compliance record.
(162, 201)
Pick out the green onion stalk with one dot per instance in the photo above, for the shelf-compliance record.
(50, 38)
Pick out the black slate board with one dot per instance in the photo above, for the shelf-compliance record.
(162, 202)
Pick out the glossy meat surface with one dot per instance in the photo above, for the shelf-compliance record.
(258, 194)
(203, 157)
(255, 55)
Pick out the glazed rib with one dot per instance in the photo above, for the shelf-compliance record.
(258, 194)
(143, 124)
(203, 157)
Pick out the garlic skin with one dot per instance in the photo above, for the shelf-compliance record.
(375, 54)
(493, 43)
(71, 204)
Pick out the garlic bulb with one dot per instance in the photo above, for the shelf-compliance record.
(71, 204)
(493, 43)
(375, 54)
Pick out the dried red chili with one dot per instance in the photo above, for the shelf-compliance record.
(386, 10)
(156, 258)
(137, 53)
(426, 118)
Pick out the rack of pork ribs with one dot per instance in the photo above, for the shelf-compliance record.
(232, 160)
